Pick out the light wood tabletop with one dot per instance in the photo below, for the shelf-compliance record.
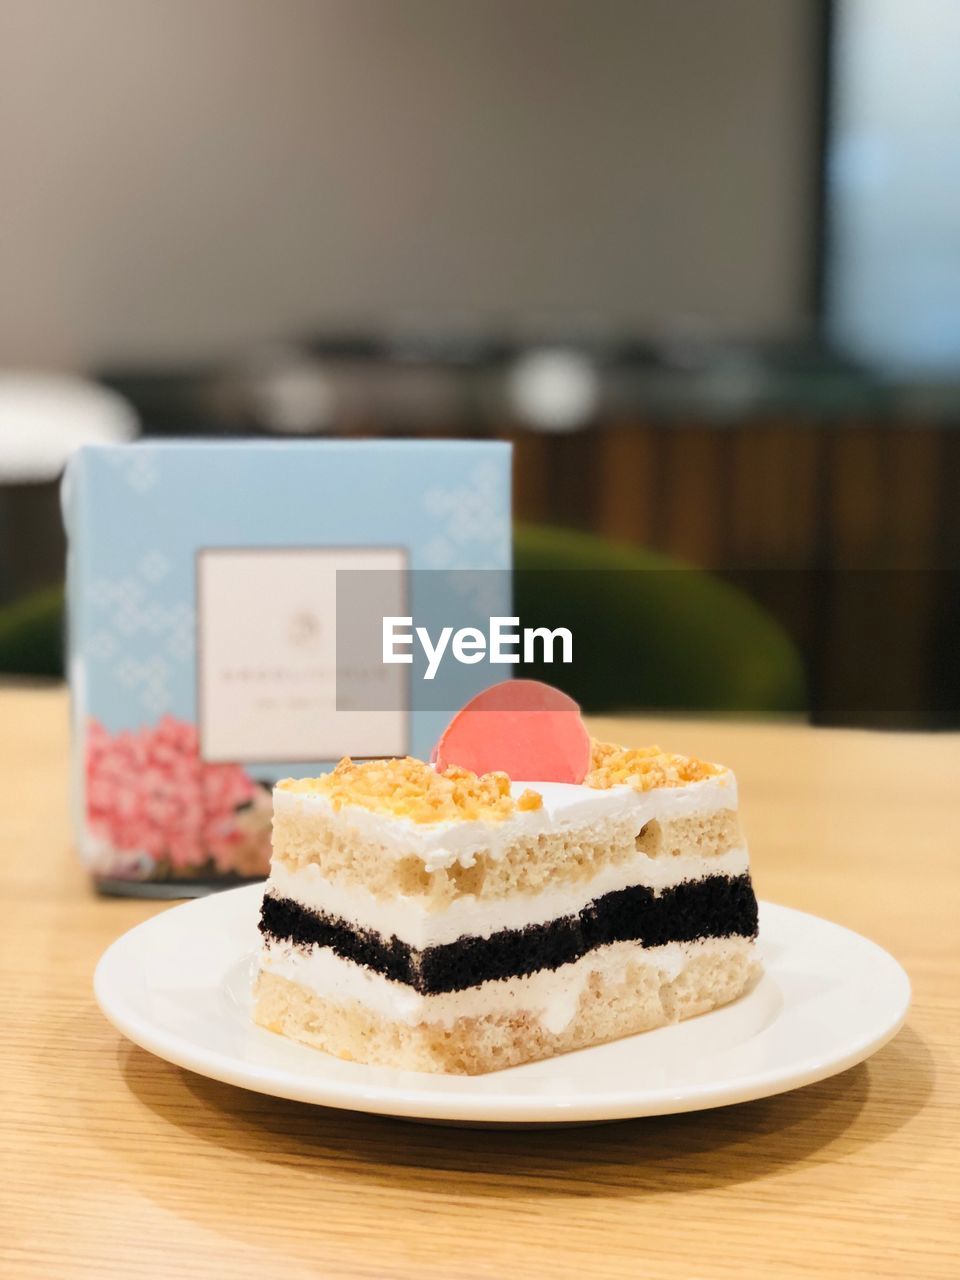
(113, 1163)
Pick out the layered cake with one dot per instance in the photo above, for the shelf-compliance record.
(437, 918)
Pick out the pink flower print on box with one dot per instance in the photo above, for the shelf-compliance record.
(149, 794)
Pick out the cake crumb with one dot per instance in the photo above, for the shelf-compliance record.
(529, 800)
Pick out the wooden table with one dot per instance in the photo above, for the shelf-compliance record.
(116, 1164)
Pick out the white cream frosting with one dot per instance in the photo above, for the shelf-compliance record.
(565, 805)
(552, 994)
(407, 918)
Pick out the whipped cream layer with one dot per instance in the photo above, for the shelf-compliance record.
(552, 995)
(409, 920)
(565, 806)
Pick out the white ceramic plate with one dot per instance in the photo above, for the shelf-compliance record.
(179, 986)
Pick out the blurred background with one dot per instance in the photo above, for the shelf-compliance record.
(698, 261)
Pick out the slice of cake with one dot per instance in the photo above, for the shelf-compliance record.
(434, 919)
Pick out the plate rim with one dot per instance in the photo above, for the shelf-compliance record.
(408, 1101)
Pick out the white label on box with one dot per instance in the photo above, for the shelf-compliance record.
(267, 656)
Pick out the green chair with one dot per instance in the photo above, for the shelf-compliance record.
(31, 635)
(650, 632)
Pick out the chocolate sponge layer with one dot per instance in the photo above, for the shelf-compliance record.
(716, 907)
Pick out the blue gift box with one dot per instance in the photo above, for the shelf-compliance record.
(201, 623)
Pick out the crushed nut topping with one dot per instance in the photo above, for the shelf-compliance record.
(408, 788)
(643, 768)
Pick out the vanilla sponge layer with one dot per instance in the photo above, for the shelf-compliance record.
(577, 834)
(352, 1013)
(550, 994)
